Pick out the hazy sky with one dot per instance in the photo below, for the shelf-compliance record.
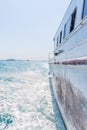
(27, 27)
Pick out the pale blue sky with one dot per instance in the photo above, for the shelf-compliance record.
(27, 27)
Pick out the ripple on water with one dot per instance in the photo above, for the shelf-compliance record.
(5, 120)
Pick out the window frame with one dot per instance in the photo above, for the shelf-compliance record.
(69, 29)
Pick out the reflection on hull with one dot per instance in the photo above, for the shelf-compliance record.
(70, 88)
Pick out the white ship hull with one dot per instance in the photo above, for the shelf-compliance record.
(70, 88)
(68, 66)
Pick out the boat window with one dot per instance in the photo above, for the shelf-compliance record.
(73, 17)
(70, 24)
(64, 31)
(67, 27)
(84, 9)
(60, 37)
(57, 41)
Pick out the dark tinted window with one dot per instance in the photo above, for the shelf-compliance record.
(60, 37)
(70, 24)
(64, 31)
(73, 17)
(84, 9)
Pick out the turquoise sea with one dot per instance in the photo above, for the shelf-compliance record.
(26, 98)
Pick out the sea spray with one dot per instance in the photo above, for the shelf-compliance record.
(25, 97)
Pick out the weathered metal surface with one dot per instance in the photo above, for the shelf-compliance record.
(71, 94)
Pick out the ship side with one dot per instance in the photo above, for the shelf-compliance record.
(68, 66)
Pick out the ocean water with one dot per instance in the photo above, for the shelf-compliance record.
(26, 99)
